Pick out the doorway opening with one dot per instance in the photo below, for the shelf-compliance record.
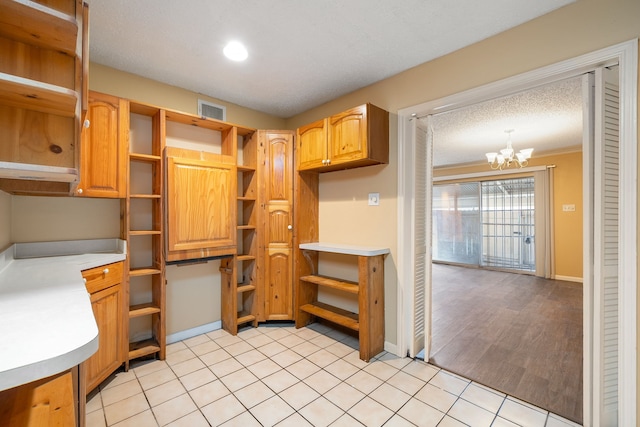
(413, 330)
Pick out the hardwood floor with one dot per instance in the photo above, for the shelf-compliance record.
(518, 334)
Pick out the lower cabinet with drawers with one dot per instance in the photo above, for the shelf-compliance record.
(104, 284)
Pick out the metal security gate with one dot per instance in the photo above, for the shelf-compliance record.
(508, 224)
(489, 224)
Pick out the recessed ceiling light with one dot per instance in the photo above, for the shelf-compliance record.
(235, 51)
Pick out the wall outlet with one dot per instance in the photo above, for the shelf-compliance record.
(374, 199)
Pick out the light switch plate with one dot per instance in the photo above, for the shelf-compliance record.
(374, 199)
(568, 208)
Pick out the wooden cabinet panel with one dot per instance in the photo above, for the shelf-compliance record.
(278, 200)
(107, 309)
(279, 284)
(201, 207)
(348, 136)
(104, 283)
(104, 148)
(46, 402)
(99, 278)
(312, 145)
(356, 137)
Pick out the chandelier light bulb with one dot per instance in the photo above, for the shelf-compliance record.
(508, 157)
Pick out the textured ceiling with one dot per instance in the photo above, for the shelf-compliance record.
(547, 118)
(302, 53)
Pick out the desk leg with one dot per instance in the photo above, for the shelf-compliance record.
(371, 305)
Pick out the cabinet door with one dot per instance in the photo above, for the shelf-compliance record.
(107, 309)
(103, 148)
(200, 208)
(312, 145)
(278, 226)
(348, 136)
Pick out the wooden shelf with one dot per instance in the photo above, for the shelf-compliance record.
(144, 232)
(333, 314)
(245, 168)
(144, 271)
(245, 257)
(245, 288)
(246, 227)
(142, 310)
(146, 158)
(145, 196)
(34, 95)
(246, 199)
(330, 282)
(244, 317)
(39, 25)
(143, 348)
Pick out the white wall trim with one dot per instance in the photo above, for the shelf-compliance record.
(489, 173)
(626, 55)
(193, 332)
(568, 278)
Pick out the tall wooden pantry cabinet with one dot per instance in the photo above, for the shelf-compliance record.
(276, 198)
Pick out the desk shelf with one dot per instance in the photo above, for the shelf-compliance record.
(369, 321)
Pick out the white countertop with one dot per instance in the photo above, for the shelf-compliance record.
(340, 248)
(46, 321)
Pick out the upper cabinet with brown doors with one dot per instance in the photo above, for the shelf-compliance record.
(356, 137)
(43, 63)
(104, 148)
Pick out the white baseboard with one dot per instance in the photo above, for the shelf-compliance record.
(568, 278)
(392, 348)
(190, 333)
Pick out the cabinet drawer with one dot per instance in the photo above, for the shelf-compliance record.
(102, 277)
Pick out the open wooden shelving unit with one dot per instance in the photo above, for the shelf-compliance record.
(143, 228)
(240, 290)
(43, 89)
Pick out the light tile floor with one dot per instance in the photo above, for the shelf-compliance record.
(282, 376)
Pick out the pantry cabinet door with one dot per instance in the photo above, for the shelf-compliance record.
(279, 226)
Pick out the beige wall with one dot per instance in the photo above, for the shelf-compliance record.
(115, 82)
(5, 220)
(567, 190)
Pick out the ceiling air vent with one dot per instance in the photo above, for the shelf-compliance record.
(211, 110)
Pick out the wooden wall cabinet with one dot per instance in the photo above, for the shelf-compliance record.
(43, 63)
(201, 192)
(354, 138)
(104, 285)
(104, 147)
(201, 205)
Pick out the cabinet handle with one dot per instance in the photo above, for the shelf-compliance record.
(105, 271)
(79, 190)
(289, 227)
(86, 123)
(328, 161)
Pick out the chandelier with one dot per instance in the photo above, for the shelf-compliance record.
(508, 157)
